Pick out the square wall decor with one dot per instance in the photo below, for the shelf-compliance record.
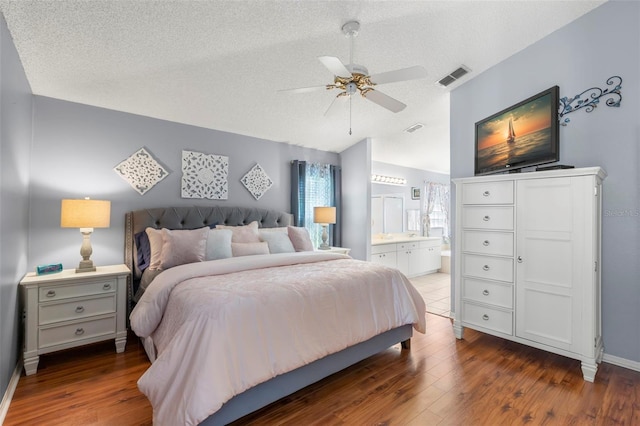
(141, 171)
(204, 176)
(257, 181)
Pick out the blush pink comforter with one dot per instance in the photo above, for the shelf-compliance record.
(224, 326)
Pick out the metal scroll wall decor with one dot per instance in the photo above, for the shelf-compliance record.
(590, 99)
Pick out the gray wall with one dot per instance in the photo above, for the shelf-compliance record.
(15, 146)
(583, 54)
(76, 147)
(356, 199)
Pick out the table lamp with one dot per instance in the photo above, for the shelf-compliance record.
(85, 214)
(324, 216)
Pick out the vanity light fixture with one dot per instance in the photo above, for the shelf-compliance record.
(388, 180)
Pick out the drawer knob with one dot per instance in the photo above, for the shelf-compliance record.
(486, 193)
(485, 268)
(485, 317)
(485, 243)
(79, 309)
(106, 287)
(486, 218)
(485, 292)
(79, 331)
(519, 259)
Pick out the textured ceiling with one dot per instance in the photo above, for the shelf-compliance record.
(220, 64)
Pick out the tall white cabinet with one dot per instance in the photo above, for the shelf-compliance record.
(527, 262)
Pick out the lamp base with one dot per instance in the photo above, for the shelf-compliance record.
(85, 266)
(324, 246)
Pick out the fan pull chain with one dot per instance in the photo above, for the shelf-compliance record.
(349, 115)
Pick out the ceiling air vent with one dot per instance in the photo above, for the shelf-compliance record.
(453, 76)
(413, 128)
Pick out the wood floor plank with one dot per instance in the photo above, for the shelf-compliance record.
(481, 380)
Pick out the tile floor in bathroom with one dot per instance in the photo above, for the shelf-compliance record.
(436, 292)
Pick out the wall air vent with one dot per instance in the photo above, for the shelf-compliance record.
(413, 128)
(453, 76)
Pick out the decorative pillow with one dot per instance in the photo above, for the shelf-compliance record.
(155, 243)
(282, 229)
(278, 242)
(249, 249)
(243, 234)
(300, 238)
(143, 250)
(218, 244)
(183, 246)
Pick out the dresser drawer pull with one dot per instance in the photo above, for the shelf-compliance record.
(486, 193)
(486, 218)
(485, 317)
(79, 331)
(485, 292)
(106, 287)
(519, 259)
(79, 309)
(485, 243)
(51, 293)
(485, 268)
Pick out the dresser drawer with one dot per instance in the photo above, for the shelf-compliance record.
(59, 291)
(488, 217)
(489, 318)
(408, 246)
(56, 312)
(64, 334)
(488, 292)
(487, 267)
(383, 248)
(484, 242)
(488, 193)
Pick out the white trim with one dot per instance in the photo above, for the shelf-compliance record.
(621, 362)
(11, 388)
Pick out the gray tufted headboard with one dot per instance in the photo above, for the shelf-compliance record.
(190, 218)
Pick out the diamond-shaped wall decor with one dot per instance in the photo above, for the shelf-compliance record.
(141, 171)
(257, 181)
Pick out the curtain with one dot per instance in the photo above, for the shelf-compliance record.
(436, 197)
(314, 185)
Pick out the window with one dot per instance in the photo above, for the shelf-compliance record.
(315, 185)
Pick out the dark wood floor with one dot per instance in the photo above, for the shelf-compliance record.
(482, 380)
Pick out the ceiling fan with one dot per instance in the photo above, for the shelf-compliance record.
(354, 78)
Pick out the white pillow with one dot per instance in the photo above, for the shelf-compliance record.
(279, 242)
(249, 249)
(219, 244)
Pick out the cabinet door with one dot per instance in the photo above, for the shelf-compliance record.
(402, 259)
(555, 260)
(418, 261)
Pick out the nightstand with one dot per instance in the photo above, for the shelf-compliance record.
(341, 250)
(68, 309)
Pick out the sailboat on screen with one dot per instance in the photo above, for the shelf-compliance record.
(511, 138)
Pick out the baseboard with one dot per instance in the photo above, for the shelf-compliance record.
(621, 362)
(11, 388)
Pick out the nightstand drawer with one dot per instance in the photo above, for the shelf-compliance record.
(53, 336)
(492, 319)
(76, 290)
(56, 312)
(488, 217)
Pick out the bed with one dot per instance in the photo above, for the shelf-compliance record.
(229, 336)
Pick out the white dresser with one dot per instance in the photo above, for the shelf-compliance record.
(527, 265)
(69, 309)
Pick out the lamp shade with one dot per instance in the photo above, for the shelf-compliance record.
(85, 213)
(324, 214)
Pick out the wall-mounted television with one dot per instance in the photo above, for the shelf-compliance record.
(523, 135)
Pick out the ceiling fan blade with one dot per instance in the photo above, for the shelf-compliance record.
(411, 73)
(304, 89)
(335, 65)
(384, 101)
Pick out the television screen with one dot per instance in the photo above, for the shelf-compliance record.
(523, 135)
